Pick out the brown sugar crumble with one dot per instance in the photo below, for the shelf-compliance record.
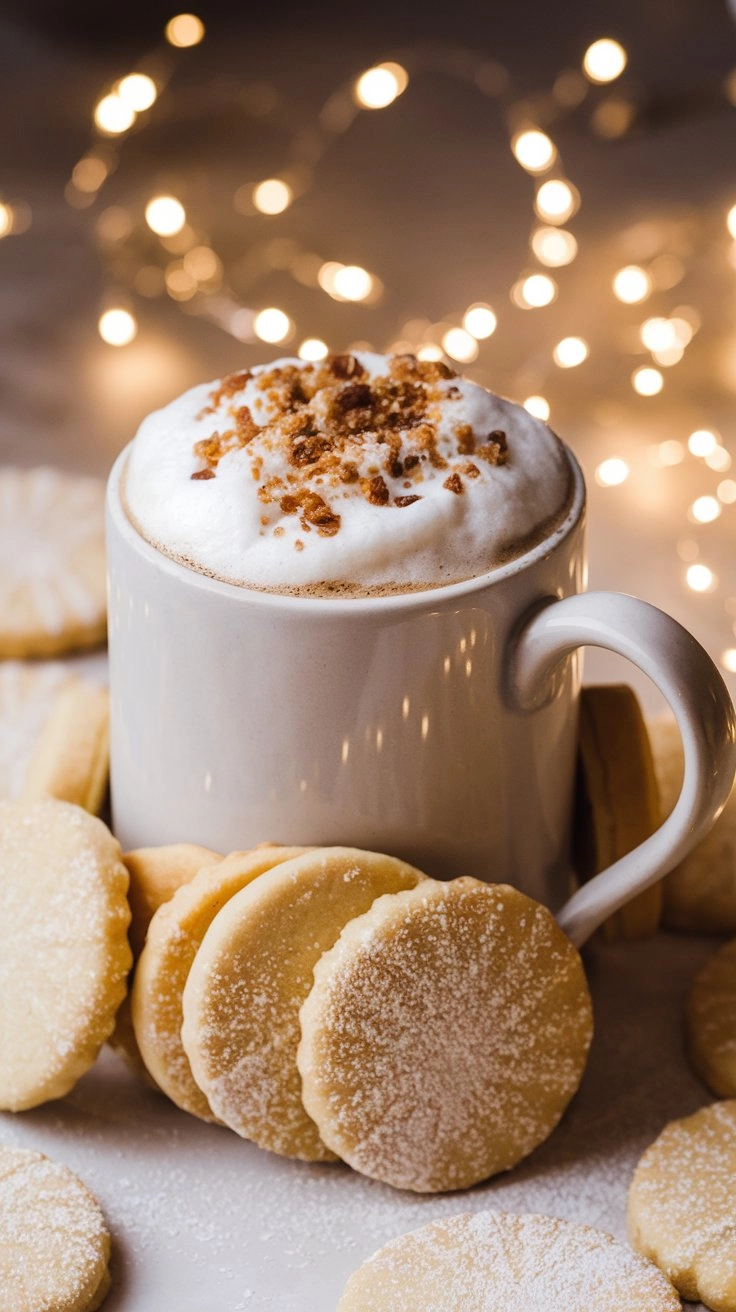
(325, 414)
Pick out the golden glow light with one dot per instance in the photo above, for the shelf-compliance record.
(646, 381)
(658, 334)
(731, 221)
(704, 510)
(604, 60)
(554, 246)
(570, 352)
(535, 291)
(6, 219)
(313, 348)
(719, 460)
(632, 284)
(669, 356)
(728, 660)
(556, 201)
(534, 150)
(180, 284)
(117, 327)
(137, 90)
(89, 173)
(113, 115)
(352, 283)
(726, 491)
(429, 352)
(700, 578)
(272, 196)
(612, 472)
(668, 453)
(460, 345)
(184, 30)
(480, 321)
(702, 442)
(537, 406)
(380, 86)
(165, 215)
(272, 325)
(202, 264)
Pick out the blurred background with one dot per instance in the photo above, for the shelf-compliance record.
(543, 195)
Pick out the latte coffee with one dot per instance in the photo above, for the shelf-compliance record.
(356, 476)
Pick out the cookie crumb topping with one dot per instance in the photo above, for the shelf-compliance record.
(337, 425)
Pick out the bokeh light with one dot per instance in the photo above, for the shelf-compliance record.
(534, 292)
(165, 215)
(313, 348)
(480, 321)
(272, 325)
(604, 60)
(352, 283)
(726, 491)
(632, 284)
(554, 246)
(534, 150)
(117, 326)
(6, 219)
(556, 201)
(646, 381)
(612, 472)
(702, 442)
(380, 86)
(570, 352)
(731, 221)
(728, 660)
(272, 196)
(137, 90)
(184, 30)
(460, 345)
(700, 578)
(704, 510)
(113, 116)
(537, 406)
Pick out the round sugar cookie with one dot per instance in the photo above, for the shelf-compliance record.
(250, 977)
(682, 1205)
(52, 562)
(27, 696)
(711, 1022)
(54, 1243)
(71, 760)
(700, 893)
(174, 935)
(618, 803)
(498, 1262)
(155, 874)
(445, 1034)
(64, 954)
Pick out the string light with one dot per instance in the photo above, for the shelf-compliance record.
(460, 346)
(137, 90)
(718, 460)
(352, 283)
(113, 116)
(726, 491)
(429, 352)
(728, 660)
(700, 578)
(554, 246)
(537, 406)
(380, 86)
(611, 472)
(704, 510)
(658, 334)
(272, 196)
(117, 327)
(632, 284)
(184, 30)
(646, 381)
(480, 321)
(534, 292)
(534, 150)
(604, 60)
(313, 348)
(165, 215)
(556, 201)
(702, 442)
(272, 325)
(570, 352)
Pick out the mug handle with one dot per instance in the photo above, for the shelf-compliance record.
(689, 680)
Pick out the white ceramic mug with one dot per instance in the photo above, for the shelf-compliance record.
(439, 726)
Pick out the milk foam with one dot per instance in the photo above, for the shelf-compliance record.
(213, 478)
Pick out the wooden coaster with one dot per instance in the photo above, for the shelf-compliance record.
(617, 803)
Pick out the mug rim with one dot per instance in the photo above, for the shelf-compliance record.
(427, 598)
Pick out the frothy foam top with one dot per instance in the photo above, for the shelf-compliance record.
(366, 471)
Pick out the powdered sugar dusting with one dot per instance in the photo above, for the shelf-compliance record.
(54, 1244)
(711, 1021)
(496, 1262)
(27, 696)
(445, 1035)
